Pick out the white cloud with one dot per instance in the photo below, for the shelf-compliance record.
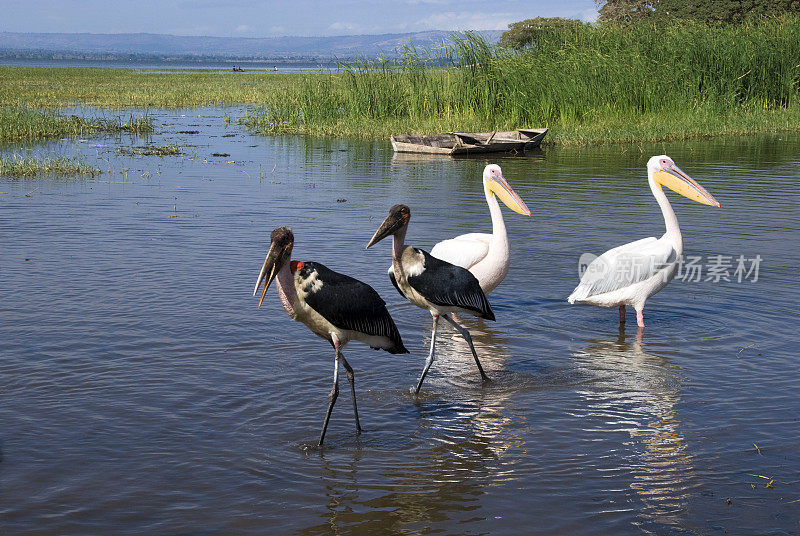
(344, 27)
(243, 28)
(468, 20)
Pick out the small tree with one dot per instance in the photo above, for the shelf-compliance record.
(527, 32)
(725, 10)
(625, 10)
(699, 10)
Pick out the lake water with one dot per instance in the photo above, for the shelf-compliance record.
(142, 391)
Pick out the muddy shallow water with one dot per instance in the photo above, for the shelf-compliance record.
(143, 391)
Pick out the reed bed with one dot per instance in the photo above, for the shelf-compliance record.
(587, 83)
(21, 167)
(25, 124)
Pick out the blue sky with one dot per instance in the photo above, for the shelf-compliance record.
(258, 18)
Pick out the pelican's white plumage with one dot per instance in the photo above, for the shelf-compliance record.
(631, 273)
(485, 255)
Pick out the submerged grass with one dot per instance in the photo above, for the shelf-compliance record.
(21, 167)
(26, 124)
(151, 150)
(587, 83)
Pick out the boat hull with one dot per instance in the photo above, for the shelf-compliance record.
(457, 143)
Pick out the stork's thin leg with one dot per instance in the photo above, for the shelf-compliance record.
(465, 334)
(332, 397)
(429, 361)
(621, 314)
(640, 318)
(352, 379)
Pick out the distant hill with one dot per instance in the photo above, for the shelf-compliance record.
(106, 46)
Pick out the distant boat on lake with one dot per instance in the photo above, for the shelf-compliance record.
(455, 143)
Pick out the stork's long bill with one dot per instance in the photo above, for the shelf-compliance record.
(677, 180)
(280, 250)
(500, 187)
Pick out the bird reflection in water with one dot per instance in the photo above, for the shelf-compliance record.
(453, 354)
(485, 412)
(636, 391)
(458, 452)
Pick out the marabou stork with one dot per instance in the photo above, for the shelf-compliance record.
(334, 306)
(486, 255)
(631, 273)
(430, 283)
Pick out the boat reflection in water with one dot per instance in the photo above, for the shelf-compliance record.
(635, 391)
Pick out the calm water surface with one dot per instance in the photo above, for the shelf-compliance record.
(143, 392)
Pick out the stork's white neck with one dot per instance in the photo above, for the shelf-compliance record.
(670, 220)
(286, 291)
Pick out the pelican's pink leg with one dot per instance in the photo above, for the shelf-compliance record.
(621, 314)
(640, 318)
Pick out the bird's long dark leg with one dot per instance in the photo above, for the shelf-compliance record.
(622, 314)
(466, 335)
(332, 397)
(352, 379)
(429, 361)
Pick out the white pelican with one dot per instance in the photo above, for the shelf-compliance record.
(631, 273)
(430, 283)
(485, 255)
(334, 306)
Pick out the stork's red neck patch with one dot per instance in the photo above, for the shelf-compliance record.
(295, 265)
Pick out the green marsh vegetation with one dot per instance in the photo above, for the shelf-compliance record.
(42, 87)
(30, 97)
(21, 124)
(643, 81)
(151, 150)
(21, 167)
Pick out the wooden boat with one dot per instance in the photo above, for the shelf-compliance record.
(454, 143)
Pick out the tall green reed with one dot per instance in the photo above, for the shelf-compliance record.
(573, 76)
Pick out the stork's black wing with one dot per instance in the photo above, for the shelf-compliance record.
(446, 284)
(348, 303)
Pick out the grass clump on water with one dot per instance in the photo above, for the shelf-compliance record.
(151, 150)
(588, 83)
(26, 124)
(17, 166)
